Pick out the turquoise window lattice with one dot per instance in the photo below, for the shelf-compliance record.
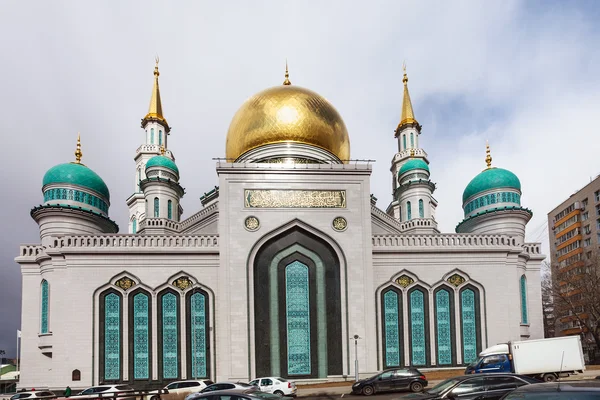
(170, 209)
(493, 198)
(421, 210)
(151, 135)
(44, 307)
(412, 140)
(523, 284)
(469, 325)
(444, 327)
(404, 142)
(198, 335)
(141, 336)
(408, 211)
(112, 337)
(170, 336)
(391, 327)
(159, 137)
(417, 326)
(156, 207)
(134, 226)
(75, 195)
(297, 318)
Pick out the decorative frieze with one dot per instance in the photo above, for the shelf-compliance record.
(267, 198)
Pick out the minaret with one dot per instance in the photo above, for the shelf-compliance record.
(412, 190)
(156, 130)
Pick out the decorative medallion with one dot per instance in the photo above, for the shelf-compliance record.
(251, 223)
(405, 281)
(263, 198)
(182, 283)
(456, 280)
(340, 223)
(125, 283)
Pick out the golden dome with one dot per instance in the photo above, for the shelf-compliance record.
(287, 114)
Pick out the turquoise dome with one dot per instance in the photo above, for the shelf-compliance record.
(76, 174)
(162, 161)
(491, 178)
(414, 163)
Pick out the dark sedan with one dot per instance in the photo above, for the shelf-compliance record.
(239, 395)
(391, 380)
(471, 387)
(573, 390)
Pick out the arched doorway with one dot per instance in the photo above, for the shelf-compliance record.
(297, 307)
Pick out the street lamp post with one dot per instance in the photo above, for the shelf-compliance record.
(356, 337)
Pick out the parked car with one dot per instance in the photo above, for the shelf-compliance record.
(178, 390)
(275, 385)
(104, 391)
(240, 387)
(42, 394)
(391, 380)
(469, 387)
(571, 390)
(239, 394)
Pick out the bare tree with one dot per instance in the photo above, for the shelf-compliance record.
(548, 311)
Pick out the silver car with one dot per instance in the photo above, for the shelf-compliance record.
(239, 387)
(105, 391)
(42, 394)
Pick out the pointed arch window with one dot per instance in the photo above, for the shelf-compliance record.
(152, 136)
(156, 207)
(168, 307)
(421, 210)
(412, 140)
(110, 335)
(391, 300)
(469, 309)
(139, 331)
(444, 323)
(134, 226)
(404, 142)
(44, 307)
(160, 139)
(523, 286)
(408, 211)
(198, 334)
(418, 327)
(170, 209)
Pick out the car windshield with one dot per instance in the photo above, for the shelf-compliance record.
(124, 387)
(474, 363)
(443, 385)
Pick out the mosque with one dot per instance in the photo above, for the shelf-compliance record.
(284, 263)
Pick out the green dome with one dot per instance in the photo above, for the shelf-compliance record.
(414, 163)
(76, 174)
(492, 178)
(162, 161)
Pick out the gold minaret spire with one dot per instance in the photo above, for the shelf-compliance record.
(287, 75)
(78, 153)
(155, 110)
(488, 156)
(408, 116)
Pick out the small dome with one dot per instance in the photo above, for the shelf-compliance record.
(162, 161)
(287, 114)
(413, 163)
(491, 178)
(76, 174)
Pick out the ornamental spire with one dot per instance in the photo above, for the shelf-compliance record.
(488, 156)
(287, 82)
(155, 110)
(408, 116)
(78, 152)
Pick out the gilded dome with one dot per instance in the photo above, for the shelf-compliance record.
(287, 114)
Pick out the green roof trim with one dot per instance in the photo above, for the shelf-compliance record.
(413, 163)
(76, 174)
(34, 209)
(493, 210)
(162, 161)
(492, 178)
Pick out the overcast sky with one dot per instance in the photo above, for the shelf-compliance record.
(523, 75)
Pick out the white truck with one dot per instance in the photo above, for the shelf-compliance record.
(546, 359)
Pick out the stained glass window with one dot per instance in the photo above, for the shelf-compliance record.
(444, 327)
(417, 325)
(421, 210)
(134, 226)
(156, 206)
(404, 142)
(391, 329)
(44, 313)
(170, 336)
(152, 136)
(141, 337)
(112, 337)
(170, 209)
(469, 325)
(298, 318)
(524, 319)
(408, 211)
(198, 335)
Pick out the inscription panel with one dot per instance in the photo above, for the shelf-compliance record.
(277, 198)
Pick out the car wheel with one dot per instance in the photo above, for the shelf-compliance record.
(368, 390)
(549, 377)
(155, 398)
(416, 387)
(278, 393)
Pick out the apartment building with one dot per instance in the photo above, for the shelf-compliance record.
(574, 249)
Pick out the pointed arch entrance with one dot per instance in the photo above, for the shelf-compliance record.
(297, 307)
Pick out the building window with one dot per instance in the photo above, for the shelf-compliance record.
(412, 140)
(170, 209)
(403, 142)
(587, 242)
(524, 319)
(469, 324)
(392, 304)
(134, 226)
(152, 136)
(76, 375)
(197, 317)
(597, 196)
(140, 332)
(298, 318)
(443, 316)
(584, 203)
(408, 211)
(417, 326)
(421, 210)
(587, 229)
(160, 138)
(139, 178)
(597, 209)
(156, 207)
(585, 216)
(400, 213)
(169, 335)
(44, 308)
(111, 330)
